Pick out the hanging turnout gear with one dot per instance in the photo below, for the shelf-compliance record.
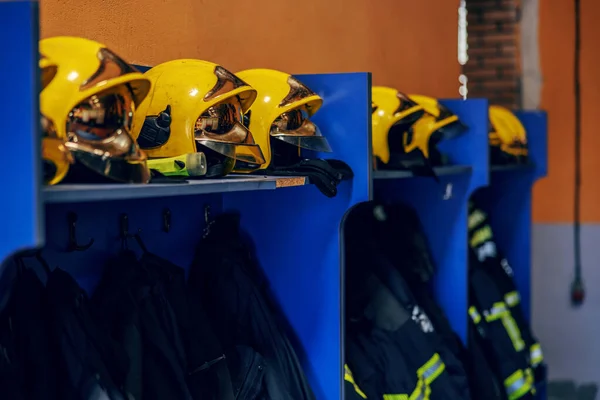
(488, 257)
(386, 301)
(280, 122)
(94, 366)
(89, 104)
(191, 122)
(496, 315)
(27, 365)
(131, 302)
(507, 137)
(260, 356)
(411, 256)
(208, 376)
(486, 382)
(384, 348)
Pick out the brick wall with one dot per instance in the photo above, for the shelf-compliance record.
(493, 69)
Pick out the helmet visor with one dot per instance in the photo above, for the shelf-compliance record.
(295, 128)
(99, 138)
(220, 129)
(101, 116)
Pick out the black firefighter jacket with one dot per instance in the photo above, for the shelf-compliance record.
(390, 354)
(262, 361)
(488, 257)
(132, 304)
(91, 364)
(380, 240)
(27, 365)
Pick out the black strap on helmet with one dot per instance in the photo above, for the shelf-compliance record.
(156, 130)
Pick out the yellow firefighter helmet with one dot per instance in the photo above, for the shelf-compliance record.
(196, 107)
(436, 124)
(507, 136)
(91, 102)
(390, 108)
(280, 115)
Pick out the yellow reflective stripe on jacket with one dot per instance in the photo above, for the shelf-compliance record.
(530, 379)
(500, 312)
(475, 218)
(348, 377)
(536, 355)
(512, 298)
(431, 369)
(517, 386)
(395, 397)
(513, 331)
(481, 235)
(421, 392)
(475, 316)
(426, 374)
(497, 312)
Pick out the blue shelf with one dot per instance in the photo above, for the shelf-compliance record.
(440, 171)
(77, 193)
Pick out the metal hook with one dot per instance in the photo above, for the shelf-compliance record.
(206, 214)
(207, 220)
(124, 234)
(73, 245)
(124, 230)
(166, 220)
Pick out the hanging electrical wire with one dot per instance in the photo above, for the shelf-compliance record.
(577, 289)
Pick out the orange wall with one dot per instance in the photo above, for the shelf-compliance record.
(553, 196)
(382, 36)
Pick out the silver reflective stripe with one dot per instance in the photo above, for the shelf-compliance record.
(498, 309)
(421, 388)
(433, 369)
(536, 355)
(515, 386)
